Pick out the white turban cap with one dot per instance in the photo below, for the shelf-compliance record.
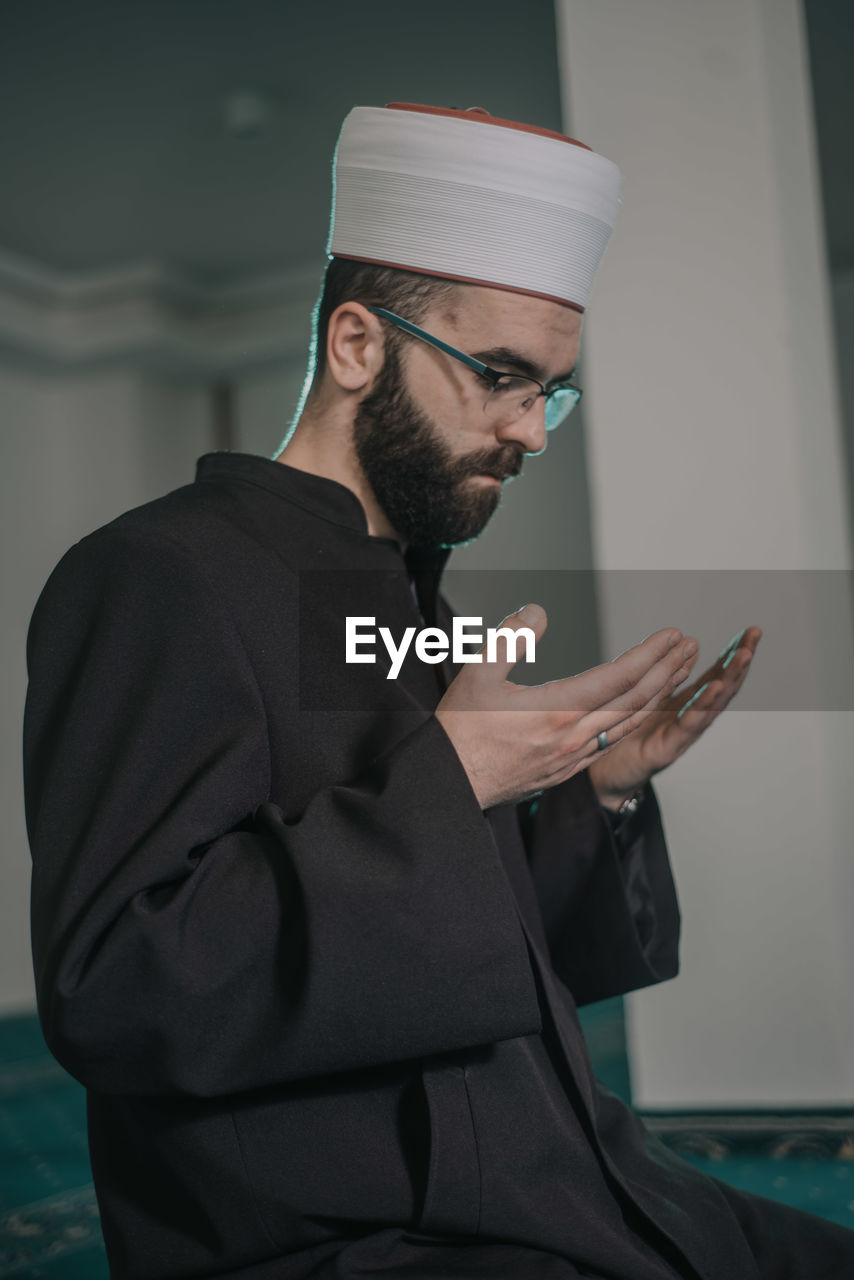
(468, 196)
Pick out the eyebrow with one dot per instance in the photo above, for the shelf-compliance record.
(520, 364)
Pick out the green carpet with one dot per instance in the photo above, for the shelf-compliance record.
(49, 1227)
(48, 1216)
(825, 1188)
(819, 1183)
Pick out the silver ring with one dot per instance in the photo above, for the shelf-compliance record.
(602, 739)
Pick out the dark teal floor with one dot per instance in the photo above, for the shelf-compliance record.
(48, 1215)
(822, 1186)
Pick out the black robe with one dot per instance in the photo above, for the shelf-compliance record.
(323, 1006)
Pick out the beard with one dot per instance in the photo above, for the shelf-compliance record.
(423, 489)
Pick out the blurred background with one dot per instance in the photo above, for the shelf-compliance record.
(166, 172)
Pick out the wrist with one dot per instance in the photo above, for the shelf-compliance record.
(624, 802)
(613, 793)
(620, 818)
(617, 803)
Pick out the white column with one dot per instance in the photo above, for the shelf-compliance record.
(714, 443)
(78, 450)
(114, 410)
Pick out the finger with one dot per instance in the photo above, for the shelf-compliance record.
(714, 672)
(682, 675)
(716, 689)
(574, 763)
(499, 656)
(738, 662)
(700, 701)
(738, 668)
(617, 730)
(752, 637)
(748, 639)
(658, 683)
(655, 660)
(731, 645)
(733, 677)
(621, 728)
(732, 661)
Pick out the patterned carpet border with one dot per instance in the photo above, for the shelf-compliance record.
(37, 1234)
(773, 1135)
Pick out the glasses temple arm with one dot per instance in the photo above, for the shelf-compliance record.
(477, 365)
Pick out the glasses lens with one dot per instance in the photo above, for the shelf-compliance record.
(560, 403)
(511, 397)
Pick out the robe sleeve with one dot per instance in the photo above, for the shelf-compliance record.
(607, 898)
(187, 938)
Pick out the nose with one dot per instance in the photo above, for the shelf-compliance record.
(528, 431)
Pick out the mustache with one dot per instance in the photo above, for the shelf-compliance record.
(502, 463)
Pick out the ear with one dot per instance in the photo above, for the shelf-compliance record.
(355, 346)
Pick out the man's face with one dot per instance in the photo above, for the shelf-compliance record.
(435, 461)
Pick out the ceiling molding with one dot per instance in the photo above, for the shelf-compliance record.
(147, 316)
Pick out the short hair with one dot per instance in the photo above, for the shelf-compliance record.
(407, 293)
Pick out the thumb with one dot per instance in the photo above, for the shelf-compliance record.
(509, 642)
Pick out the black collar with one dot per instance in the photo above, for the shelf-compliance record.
(322, 497)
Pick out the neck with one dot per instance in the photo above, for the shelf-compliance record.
(323, 446)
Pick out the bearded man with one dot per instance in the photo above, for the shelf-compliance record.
(314, 938)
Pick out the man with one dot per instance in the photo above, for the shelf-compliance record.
(313, 937)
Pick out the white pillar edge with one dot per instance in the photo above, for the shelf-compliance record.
(715, 443)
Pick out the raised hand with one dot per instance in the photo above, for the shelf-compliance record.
(515, 740)
(678, 722)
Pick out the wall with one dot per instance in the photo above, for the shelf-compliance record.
(842, 284)
(716, 448)
(78, 450)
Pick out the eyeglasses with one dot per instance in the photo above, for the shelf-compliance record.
(510, 395)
